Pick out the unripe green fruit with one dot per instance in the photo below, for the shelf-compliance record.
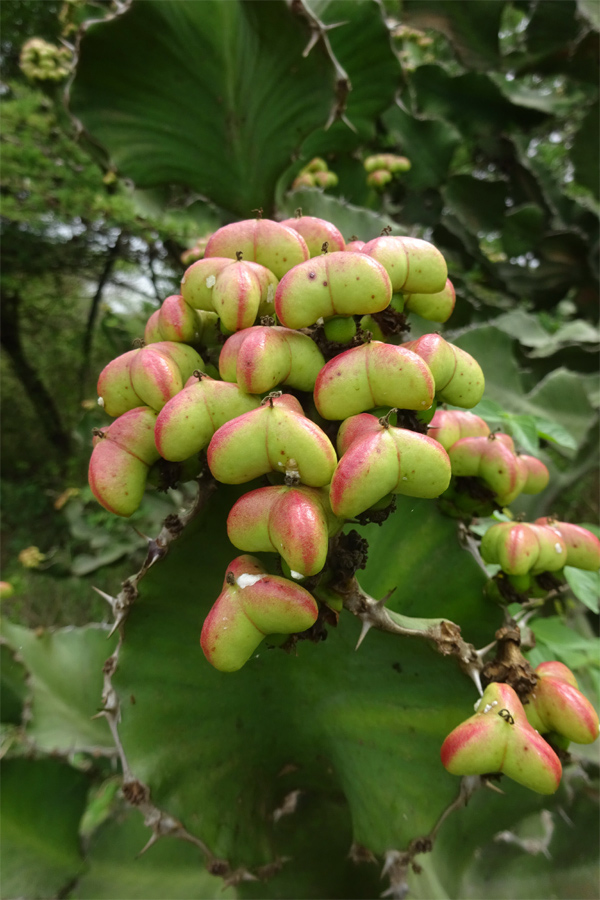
(491, 459)
(340, 329)
(375, 374)
(397, 303)
(252, 605)
(521, 583)
(115, 390)
(316, 165)
(325, 179)
(341, 283)
(379, 178)
(269, 243)
(262, 357)
(369, 324)
(273, 438)
(498, 738)
(436, 307)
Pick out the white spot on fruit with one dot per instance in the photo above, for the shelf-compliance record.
(247, 580)
(270, 293)
(211, 281)
(297, 575)
(558, 548)
(101, 402)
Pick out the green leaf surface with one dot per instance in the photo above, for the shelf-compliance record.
(213, 95)
(585, 586)
(586, 150)
(480, 204)
(65, 681)
(42, 802)
(350, 219)
(564, 643)
(13, 687)
(169, 869)
(560, 398)
(428, 143)
(472, 28)
(364, 727)
(501, 868)
(522, 228)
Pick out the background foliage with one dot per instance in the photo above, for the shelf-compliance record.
(207, 111)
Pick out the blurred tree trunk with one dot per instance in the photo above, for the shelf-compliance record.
(41, 399)
(113, 255)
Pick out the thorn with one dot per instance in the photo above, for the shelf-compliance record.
(142, 535)
(105, 596)
(311, 43)
(386, 597)
(238, 876)
(118, 621)
(103, 714)
(366, 627)
(493, 787)
(475, 676)
(153, 839)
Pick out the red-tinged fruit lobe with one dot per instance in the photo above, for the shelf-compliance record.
(261, 358)
(378, 460)
(236, 296)
(379, 178)
(355, 246)
(316, 232)
(557, 705)
(159, 371)
(274, 438)
(152, 333)
(188, 421)
(121, 460)
(269, 243)
(414, 266)
(252, 605)
(450, 425)
(583, 547)
(458, 377)
(498, 738)
(115, 390)
(436, 307)
(375, 374)
(177, 321)
(344, 284)
(295, 522)
(537, 475)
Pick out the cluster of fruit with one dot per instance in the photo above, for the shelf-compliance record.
(382, 167)
(505, 735)
(293, 386)
(42, 61)
(315, 174)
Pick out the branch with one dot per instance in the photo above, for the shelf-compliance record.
(445, 634)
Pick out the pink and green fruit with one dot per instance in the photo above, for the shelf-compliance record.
(252, 605)
(334, 284)
(375, 374)
(277, 437)
(557, 705)
(498, 738)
